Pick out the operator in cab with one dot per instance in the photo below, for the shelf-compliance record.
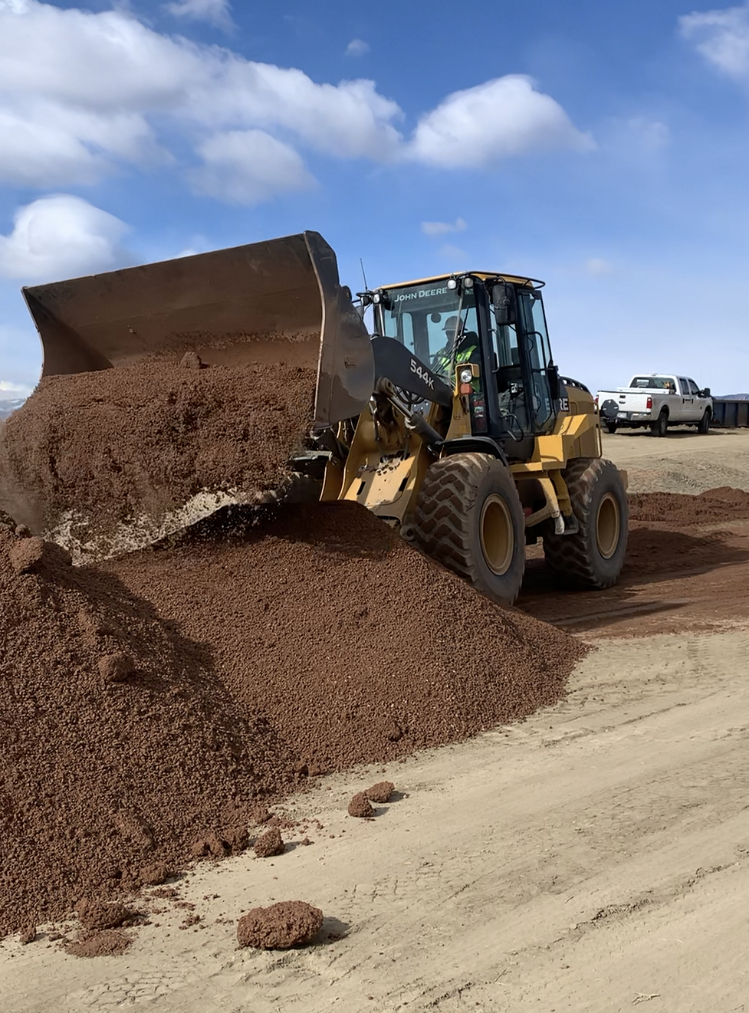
(463, 343)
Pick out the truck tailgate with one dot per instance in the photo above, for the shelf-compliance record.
(624, 403)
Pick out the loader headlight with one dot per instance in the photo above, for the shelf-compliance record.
(452, 283)
(468, 283)
(377, 298)
(466, 376)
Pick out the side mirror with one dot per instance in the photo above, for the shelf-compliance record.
(552, 373)
(503, 304)
(706, 392)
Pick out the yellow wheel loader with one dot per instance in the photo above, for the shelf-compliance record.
(450, 421)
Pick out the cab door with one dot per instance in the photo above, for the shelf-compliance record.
(686, 410)
(699, 403)
(536, 358)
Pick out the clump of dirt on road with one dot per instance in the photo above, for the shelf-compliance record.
(380, 792)
(280, 926)
(102, 781)
(118, 443)
(716, 506)
(353, 646)
(269, 844)
(360, 806)
(107, 943)
(98, 914)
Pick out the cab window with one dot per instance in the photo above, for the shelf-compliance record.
(424, 319)
(537, 343)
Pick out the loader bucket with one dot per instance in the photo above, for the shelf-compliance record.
(275, 301)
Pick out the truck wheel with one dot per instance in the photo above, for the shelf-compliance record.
(594, 556)
(704, 427)
(660, 428)
(611, 427)
(469, 518)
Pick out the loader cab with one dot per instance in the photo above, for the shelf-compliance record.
(486, 332)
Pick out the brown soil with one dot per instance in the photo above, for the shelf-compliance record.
(687, 570)
(229, 842)
(101, 779)
(712, 507)
(147, 708)
(270, 843)
(360, 806)
(380, 792)
(280, 926)
(97, 914)
(115, 444)
(26, 554)
(349, 643)
(154, 874)
(107, 943)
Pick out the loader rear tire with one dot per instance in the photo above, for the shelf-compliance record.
(594, 556)
(469, 518)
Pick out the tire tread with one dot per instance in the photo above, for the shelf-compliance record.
(569, 556)
(442, 526)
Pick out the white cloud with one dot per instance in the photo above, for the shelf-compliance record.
(357, 47)
(454, 254)
(12, 390)
(649, 135)
(20, 348)
(722, 37)
(480, 126)
(60, 237)
(82, 92)
(598, 267)
(443, 228)
(215, 12)
(247, 167)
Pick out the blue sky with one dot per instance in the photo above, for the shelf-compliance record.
(602, 147)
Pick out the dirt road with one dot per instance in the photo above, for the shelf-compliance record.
(591, 855)
(683, 462)
(677, 578)
(592, 858)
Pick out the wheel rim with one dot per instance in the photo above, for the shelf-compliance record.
(608, 525)
(497, 535)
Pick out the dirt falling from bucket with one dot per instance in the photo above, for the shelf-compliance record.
(109, 448)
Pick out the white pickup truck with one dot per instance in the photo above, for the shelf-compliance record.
(656, 400)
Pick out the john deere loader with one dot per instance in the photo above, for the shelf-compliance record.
(450, 421)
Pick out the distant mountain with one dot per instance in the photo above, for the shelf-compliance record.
(732, 397)
(8, 407)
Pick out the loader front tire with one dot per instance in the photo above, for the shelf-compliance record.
(593, 557)
(469, 518)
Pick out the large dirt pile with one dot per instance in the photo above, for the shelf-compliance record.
(354, 646)
(114, 445)
(118, 747)
(716, 506)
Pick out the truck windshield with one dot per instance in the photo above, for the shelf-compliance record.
(431, 320)
(653, 382)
